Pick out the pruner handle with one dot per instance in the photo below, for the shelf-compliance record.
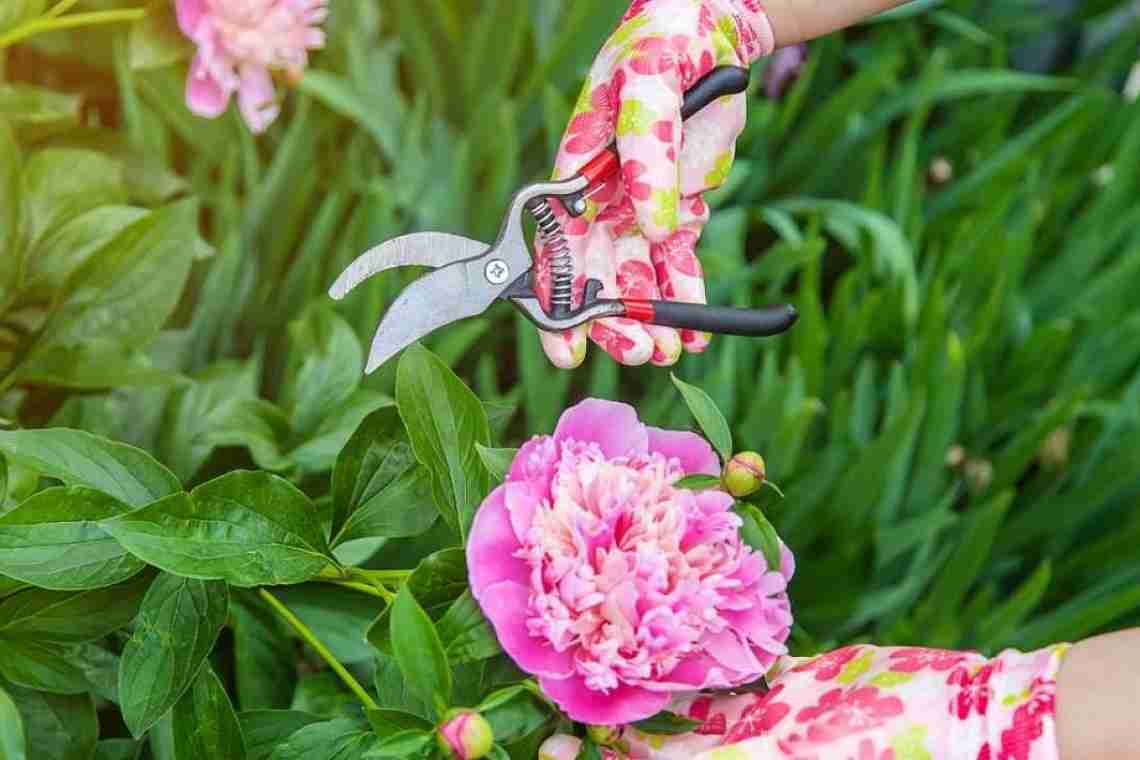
(721, 320)
(721, 81)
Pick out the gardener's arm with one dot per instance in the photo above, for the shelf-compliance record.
(801, 20)
(1098, 691)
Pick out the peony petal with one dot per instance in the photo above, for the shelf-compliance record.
(624, 704)
(787, 561)
(491, 547)
(695, 673)
(696, 455)
(727, 649)
(536, 462)
(613, 426)
(190, 13)
(507, 606)
(257, 98)
(521, 503)
(205, 95)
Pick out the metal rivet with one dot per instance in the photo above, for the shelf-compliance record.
(497, 272)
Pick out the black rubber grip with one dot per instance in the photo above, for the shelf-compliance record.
(721, 81)
(723, 320)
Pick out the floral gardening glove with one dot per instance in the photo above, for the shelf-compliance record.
(639, 234)
(868, 703)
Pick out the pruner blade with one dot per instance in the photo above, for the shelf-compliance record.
(458, 288)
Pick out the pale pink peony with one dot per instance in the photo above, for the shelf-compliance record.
(240, 42)
(613, 587)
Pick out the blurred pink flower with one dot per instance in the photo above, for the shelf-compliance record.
(784, 69)
(613, 587)
(240, 42)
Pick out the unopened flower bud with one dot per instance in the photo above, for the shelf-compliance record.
(1054, 453)
(603, 736)
(941, 170)
(744, 474)
(465, 735)
(955, 457)
(979, 474)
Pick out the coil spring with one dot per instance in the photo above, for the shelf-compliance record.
(561, 260)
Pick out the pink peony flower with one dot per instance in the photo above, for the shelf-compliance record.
(613, 587)
(239, 43)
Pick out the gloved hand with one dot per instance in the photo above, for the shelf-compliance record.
(640, 232)
(868, 703)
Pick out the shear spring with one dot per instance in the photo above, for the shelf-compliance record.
(561, 260)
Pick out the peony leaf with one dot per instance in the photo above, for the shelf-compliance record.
(758, 533)
(77, 458)
(513, 713)
(708, 416)
(328, 740)
(71, 616)
(248, 528)
(179, 620)
(444, 420)
(263, 730)
(666, 723)
(698, 482)
(53, 540)
(12, 741)
(497, 461)
(419, 652)
(203, 721)
(57, 726)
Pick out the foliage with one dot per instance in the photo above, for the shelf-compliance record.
(223, 540)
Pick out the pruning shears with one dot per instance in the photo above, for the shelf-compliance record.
(470, 275)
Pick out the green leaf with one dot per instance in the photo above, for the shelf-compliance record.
(265, 671)
(319, 451)
(11, 206)
(698, 482)
(53, 541)
(247, 528)
(57, 726)
(419, 652)
(127, 289)
(263, 730)
(437, 580)
(405, 744)
(118, 749)
(156, 41)
(666, 723)
(256, 424)
(42, 666)
(18, 12)
(94, 365)
(466, 634)
(27, 106)
(758, 533)
(387, 722)
(80, 459)
(708, 416)
(341, 739)
(513, 713)
(325, 366)
(71, 616)
(12, 741)
(179, 620)
(444, 420)
(589, 750)
(403, 508)
(393, 689)
(204, 723)
(63, 183)
(375, 456)
(497, 461)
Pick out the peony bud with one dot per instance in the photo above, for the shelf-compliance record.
(744, 474)
(1054, 453)
(465, 735)
(603, 735)
(941, 170)
(979, 475)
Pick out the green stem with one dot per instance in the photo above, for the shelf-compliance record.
(369, 578)
(384, 576)
(51, 24)
(62, 7)
(311, 639)
(380, 592)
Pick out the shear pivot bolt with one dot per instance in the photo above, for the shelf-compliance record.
(497, 272)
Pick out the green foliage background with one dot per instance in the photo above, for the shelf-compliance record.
(955, 421)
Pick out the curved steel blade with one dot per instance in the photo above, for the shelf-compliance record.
(436, 299)
(429, 249)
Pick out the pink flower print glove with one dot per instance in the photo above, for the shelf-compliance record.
(869, 703)
(640, 232)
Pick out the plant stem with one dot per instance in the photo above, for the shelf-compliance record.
(51, 24)
(386, 576)
(62, 7)
(311, 639)
(380, 592)
(369, 578)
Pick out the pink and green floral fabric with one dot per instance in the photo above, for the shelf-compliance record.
(870, 703)
(641, 230)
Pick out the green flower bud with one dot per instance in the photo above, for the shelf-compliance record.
(603, 736)
(465, 735)
(744, 474)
